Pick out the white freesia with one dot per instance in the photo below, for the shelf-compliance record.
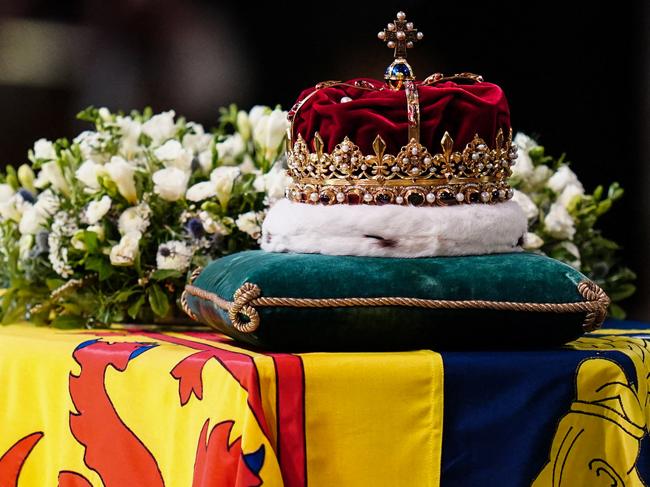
(97, 229)
(13, 208)
(24, 246)
(229, 149)
(269, 132)
(47, 203)
(524, 142)
(127, 250)
(50, 174)
(273, 183)
(160, 127)
(97, 209)
(130, 130)
(89, 172)
(212, 225)
(559, 222)
(532, 241)
(524, 167)
(26, 177)
(172, 154)
(174, 255)
(170, 183)
(197, 140)
(122, 174)
(32, 222)
(249, 223)
(562, 178)
(105, 114)
(248, 166)
(244, 125)
(134, 219)
(527, 205)
(7, 206)
(256, 114)
(220, 185)
(205, 160)
(89, 144)
(570, 192)
(44, 149)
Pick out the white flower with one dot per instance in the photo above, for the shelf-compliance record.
(31, 222)
(127, 250)
(130, 131)
(196, 141)
(24, 246)
(44, 149)
(275, 183)
(134, 219)
(105, 114)
(77, 241)
(244, 125)
(122, 174)
(170, 183)
(220, 185)
(174, 255)
(230, 148)
(248, 166)
(172, 154)
(559, 223)
(249, 223)
(89, 172)
(524, 142)
(160, 127)
(563, 178)
(212, 226)
(570, 192)
(47, 203)
(523, 168)
(26, 177)
(97, 209)
(256, 114)
(8, 210)
(6, 192)
(51, 174)
(571, 248)
(205, 160)
(89, 143)
(532, 241)
(269, 132)
(529, 208)
(539, 176)
(98, 229)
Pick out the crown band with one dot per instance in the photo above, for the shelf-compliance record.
(413, 177)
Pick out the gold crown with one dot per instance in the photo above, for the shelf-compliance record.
(477, 174)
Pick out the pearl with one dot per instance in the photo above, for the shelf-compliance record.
(367, 197)
(490, 166)
(510, 193)
(409, 44)
(482, 147)
(409, 25)
(363, 167)
(340, 197)
(431, 197)
(415, 170)
(502, 194)
(480, 166)
(460, 197)
(313, 197)
(353, 159)
(401, 35)
(391, 44)
(345, 147)
(337, 159)
(394, 169)
(344, 166)
(461, 167)
(391, 26)
(346, 99)
(475, 156)
(399, 200)
(310, 168)
(401, 15)
(419, 35)
(406, 160)
(485, 196)
(414, 151)
(332, 167)
(381, 35)
(427, 160)
(369, 158)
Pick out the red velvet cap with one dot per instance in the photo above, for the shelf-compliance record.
(462, 109)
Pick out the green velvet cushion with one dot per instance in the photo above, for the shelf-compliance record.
(524, 300)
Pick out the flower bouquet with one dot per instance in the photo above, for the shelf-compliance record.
(104, 229)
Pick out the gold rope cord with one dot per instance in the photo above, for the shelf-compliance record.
(248, 297)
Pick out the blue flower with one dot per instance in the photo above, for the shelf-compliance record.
(27, 195)
(195, 227)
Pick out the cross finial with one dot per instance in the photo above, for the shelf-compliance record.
(400, 35)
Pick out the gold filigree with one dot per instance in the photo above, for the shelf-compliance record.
(477, 174)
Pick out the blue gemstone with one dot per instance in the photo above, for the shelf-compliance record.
(401, 69)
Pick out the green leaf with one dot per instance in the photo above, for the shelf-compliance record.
(163, 274)
(604, 206)
(100, 265)
(616, 312)
(91, 241)
(158, 300)
(124, 295)
(69, 321)
(622, 291)
(598, 192)
(134, 308)
(52, 284)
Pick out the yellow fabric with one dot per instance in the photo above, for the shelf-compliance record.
(370, 419)
(598, 441)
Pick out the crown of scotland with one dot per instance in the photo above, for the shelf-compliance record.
(344, 140)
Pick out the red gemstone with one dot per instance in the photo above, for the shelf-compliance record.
(415, 199)
(354, 199)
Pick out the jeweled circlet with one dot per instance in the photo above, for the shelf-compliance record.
(414, 176)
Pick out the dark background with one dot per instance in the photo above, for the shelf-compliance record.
(577, 74)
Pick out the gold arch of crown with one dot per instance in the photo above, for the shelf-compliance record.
(477, 174)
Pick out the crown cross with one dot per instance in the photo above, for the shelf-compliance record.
(400, 35)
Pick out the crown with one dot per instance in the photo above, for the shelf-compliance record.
(367, 142)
